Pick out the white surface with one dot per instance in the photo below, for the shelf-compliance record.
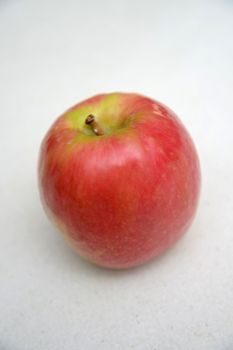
(55, 53)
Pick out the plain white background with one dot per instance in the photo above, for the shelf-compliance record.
(55, 53)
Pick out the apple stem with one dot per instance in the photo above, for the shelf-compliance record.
(90, 120)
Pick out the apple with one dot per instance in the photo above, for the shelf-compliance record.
(119, 175)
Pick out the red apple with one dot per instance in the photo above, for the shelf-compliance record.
(120, 176)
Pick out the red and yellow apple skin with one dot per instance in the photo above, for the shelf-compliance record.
(123, 197)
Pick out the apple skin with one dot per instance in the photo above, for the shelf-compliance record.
(124, 197)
